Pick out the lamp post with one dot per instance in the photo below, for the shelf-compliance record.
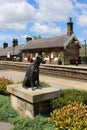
(85, 51)
(77, 50)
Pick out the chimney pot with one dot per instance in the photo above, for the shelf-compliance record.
(15, 42)
(5, 45)
(69, 27)
(28, 38)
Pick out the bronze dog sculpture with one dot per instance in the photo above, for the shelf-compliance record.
(32, 75)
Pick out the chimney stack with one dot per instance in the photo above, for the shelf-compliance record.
(28, 38)
(69, 27)
(5, 45)
(15, 42)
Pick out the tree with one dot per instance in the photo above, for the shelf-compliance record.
(37, 37)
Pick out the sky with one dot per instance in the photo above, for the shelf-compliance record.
(47, 18)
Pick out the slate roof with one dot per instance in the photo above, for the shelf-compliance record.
(51, 42)
(2, 51)
(13, 51)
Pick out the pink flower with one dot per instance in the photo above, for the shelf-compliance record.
(3, 77)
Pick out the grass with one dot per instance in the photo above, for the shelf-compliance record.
(6, 111)
(38, 123)
(44, 84)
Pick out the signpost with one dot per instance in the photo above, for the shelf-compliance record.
(8, 54)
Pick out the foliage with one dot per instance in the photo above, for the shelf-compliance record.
(67, 95)
(37, 37)
(59, 61)
(38, 123)
(18, 59)
(44, 84)
(31, 60)
(70, 117)
(3, 82)
(6, 110)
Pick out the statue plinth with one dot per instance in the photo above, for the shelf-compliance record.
(32, 103)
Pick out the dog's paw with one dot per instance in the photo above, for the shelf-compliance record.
(39, 87)
(24, 87)
(33, 88)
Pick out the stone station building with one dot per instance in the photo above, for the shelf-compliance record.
(64, 47)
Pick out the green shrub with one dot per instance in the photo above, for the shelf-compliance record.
(67, 95)
(3, 82)
(59, 61)
(70, 117)
(38, 123)
(6, 110)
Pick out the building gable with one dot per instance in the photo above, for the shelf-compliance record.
(71, 40)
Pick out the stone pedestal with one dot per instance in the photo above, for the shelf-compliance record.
(32, 103)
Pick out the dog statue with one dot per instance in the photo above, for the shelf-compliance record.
(32, 75)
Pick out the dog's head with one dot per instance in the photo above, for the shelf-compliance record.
(39, 60)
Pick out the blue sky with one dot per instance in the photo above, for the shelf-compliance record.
(21, 18)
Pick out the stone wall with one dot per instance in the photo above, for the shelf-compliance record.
(69, 54)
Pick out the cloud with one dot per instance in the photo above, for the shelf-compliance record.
(56, 10)
(79, 5)
(49, 28)
(42, 17)
(81, 16)
(15, 14)
(82, 20)
(85, 32)
(24, 36)
(18, 14)
(5, 37)
(49, 12)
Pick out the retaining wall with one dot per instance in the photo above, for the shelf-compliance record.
(76, 72)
